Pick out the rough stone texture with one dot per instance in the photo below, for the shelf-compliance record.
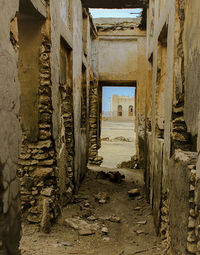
(157, 183)
(37, 165)
(93, 125)
(66, 141)
(10, 133)
(172, 115)
(180, 194)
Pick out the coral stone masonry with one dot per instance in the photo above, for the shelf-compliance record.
(55, 60)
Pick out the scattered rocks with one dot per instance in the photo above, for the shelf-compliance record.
(139, 232)
(86, 232)
(115, 219)
(134, 192)
(115, 177)
(120, 139)
(144, 222)
(104, 230)
(106, 139)
(82, 226)
(67, 244)
(87, 204)
(137, 208)
(131, 164)
(106, 239)
(91, 218)
(102, 197)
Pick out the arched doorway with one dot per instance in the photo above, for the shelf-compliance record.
(119, 110)
(130, 110)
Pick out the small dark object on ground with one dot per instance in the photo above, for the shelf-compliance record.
(115, 177)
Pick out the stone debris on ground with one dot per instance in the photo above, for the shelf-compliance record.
(119, 224)
(67, 244)
(113, 219)
(134, 193)
(137, 208)
(102, 197)
(104, 230)
(117, 139)
(144, 222)
(105, 139)
(82, 226)
(133, 163)
(112, 176)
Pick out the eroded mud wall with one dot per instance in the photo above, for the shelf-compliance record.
(172, 154)
(121, 61)
(10, 129)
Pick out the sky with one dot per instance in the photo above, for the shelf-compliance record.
(114, 13)
(109, 91)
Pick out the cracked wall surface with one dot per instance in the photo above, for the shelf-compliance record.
(172, 169)
(54, 63)
(43, 149)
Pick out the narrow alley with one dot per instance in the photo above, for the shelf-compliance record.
(101, 220)
(75, 179)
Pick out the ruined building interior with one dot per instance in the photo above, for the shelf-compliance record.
(54, 61)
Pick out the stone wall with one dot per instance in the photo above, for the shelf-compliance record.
(93, 125)
(51, 156)
(37, 163)
(172, 172)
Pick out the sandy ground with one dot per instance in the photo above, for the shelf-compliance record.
(134, 234)
(117, 152)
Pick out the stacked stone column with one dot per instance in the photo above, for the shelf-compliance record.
(37, 163)
(93, 125)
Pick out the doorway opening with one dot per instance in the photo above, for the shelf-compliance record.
(118, 140)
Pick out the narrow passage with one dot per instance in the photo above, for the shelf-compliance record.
(101, 220)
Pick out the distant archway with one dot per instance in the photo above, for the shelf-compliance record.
(119, 110)
(130, 110)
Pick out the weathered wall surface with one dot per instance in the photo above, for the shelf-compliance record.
(172, 171)
(46, 103)
(141, 99)
(117, 59)
(192, 67)
(121, 60)
(118, 49)
(10, 133)
(127, 110)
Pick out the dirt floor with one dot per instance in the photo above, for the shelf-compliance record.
(115, 150)
(134, 234)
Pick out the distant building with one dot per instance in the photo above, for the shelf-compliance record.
(122, 107)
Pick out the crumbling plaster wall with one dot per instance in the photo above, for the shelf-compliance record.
(117, 59)
(141, 99)
(152, 55)
(192, 67)
(60, 26)
(118, 50)
(77, 79)
(10, 133)
(56, 26)
(122, 58)
(10, 128)
(173, 166)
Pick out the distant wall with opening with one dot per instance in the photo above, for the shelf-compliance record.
(122, 107)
